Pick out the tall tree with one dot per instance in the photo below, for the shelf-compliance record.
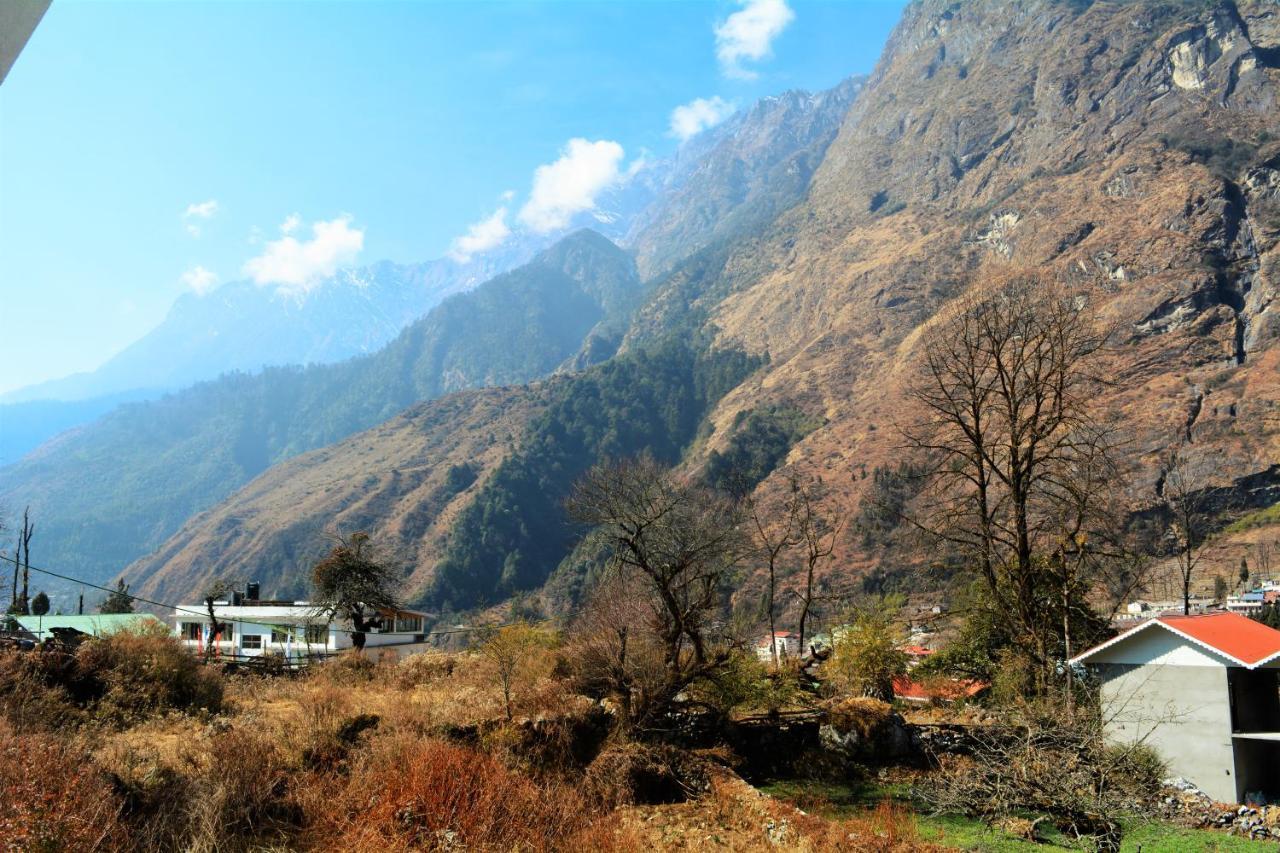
(1006, 388)
(118, 600)
(351, 582)
(818, 527)
(20, 603)
(774, 533)
(40, 604)
(1185, 491)
(681, 541)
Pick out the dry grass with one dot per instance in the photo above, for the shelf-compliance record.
(378, 755)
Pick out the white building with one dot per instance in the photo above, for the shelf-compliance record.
(785, 643)
(292, 629)
(1204, 692)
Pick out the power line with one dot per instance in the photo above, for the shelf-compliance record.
(204, 615)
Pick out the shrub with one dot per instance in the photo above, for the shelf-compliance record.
(423, 668)
(122, 677)
(405, 793)
(630, 773)
(144, 672)
(54, 798)
(745, 682)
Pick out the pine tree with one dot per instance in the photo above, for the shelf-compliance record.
(119, 601)
(40, 604)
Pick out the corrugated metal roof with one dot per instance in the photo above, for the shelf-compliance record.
(1238, 638)
(96, 624)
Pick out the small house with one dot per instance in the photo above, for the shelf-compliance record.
(252, 627)
(784, 643)
(1203, 692)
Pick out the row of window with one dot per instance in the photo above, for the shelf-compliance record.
(310, 634)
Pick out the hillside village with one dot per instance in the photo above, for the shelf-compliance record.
(890, 468)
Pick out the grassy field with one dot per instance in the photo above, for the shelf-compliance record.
(963, 833)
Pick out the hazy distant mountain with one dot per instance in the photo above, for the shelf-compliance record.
(245, 326)
(113, 490)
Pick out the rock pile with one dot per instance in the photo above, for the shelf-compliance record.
(1184, 803)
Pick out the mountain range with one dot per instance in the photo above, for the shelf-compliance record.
(112, 490)
(767, 308)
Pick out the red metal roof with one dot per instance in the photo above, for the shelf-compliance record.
(1247, 640)
(943, 689)
(1238, 638)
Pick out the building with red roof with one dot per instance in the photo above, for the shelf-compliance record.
(1203, 691)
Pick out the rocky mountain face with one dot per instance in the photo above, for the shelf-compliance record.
(1131, 150)
(737, 177)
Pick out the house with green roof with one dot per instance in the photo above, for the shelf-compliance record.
(95, 625)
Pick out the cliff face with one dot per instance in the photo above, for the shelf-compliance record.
(1130, 149)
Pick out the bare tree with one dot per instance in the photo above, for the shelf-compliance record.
(681, 541)
(511, 650)
(773, 535)
(1006, 387)
(352, 582)
(818, 529)
(214, 591)
(20, 604)
(1185, 491)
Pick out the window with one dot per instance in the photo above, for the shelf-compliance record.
(280, 635)
(228, 632)
(317, 635)
(193, 630)
(251, 641)
(408, 623)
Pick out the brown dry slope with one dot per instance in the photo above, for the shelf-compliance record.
(1133, 148)
(403, 480)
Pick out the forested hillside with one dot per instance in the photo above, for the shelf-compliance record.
(112, 491)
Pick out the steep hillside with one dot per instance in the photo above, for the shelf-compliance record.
(114, 490)
(1132, 149)
(464, 492)
(737, 177)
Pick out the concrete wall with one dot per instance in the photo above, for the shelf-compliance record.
(1174, 697)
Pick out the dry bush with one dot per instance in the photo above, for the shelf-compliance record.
(406, 793)
(423, 668)
(349, 669)
(55, 799)
(1044, 764)
(145, 672)
(631, 773)
(224, 790)
(34, 694)
(118, 679)
(861, 714)
(241, 792)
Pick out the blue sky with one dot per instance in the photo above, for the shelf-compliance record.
(149, 148)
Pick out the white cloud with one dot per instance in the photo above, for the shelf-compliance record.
(748, 34)
(699, 114)
(570, 184)
(197, 212)
(200, 280)
(290, 224)
(295, 265)
(481, 236)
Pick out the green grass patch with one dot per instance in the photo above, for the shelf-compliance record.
(847, 799)
(1257, 518)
